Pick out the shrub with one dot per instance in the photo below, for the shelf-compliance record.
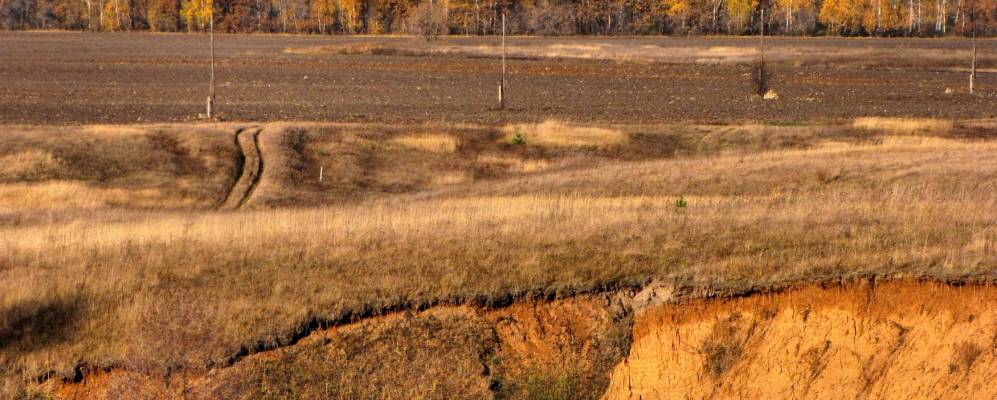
(428, 20)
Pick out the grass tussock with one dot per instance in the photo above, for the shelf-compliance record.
(515, 163)
(65, 195)
(433, 143)
(27, 165)
(559, 134)
(904, 126)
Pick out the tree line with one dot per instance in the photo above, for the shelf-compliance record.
(535, 17)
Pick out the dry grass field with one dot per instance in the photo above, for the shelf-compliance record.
(119, 259)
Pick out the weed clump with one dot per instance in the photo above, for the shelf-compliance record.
(724, 348)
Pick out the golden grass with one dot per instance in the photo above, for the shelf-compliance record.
(514, 163)
(27, 165)
(763, 205)
(918, 208)
(555, 133)
(904, 126)
(113, 130)
(433, 143)
(352, 48)
(62, 195)
(453, 178)
(89, 167)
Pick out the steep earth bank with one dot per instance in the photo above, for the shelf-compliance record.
(862, 339)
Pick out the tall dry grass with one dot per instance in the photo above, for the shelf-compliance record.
(253, 277)
(556, 133)
(157, 167)
(69, 195)
(27, 165)
(905, 126)
(434, 143)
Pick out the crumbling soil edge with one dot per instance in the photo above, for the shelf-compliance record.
(677, 293)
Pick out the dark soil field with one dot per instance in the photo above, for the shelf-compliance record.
(73, 78)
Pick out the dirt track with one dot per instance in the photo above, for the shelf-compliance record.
(71, 78)
(249, 168)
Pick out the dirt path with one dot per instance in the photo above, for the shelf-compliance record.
(249, 167)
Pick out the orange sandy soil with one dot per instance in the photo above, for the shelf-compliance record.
(890, 341)
(900, 339)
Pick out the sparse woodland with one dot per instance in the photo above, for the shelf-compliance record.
(535, 17)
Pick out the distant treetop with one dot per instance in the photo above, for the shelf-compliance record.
(534, 17)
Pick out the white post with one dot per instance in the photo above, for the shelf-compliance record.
(321, 169)
(211, 87)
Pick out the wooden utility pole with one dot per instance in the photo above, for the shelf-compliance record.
(761, 65)
(972, 69)
(501, 93)
(211, 87)
(762, 39)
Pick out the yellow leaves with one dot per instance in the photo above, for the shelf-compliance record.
(114, 10)
(342, 13)
(740, 12)
(196, 14)
(349, 11)
(153, 16)
(677, 7)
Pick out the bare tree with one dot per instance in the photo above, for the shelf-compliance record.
(428, 20)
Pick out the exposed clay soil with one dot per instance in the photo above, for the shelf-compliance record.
(898, 340)
(70, 78)
(901, 339)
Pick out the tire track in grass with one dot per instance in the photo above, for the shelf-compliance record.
(249, 167)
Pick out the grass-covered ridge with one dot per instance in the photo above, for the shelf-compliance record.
(154, 288)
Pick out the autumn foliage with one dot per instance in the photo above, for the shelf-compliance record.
(483, 17)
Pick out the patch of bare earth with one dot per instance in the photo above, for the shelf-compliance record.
(897, 340)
